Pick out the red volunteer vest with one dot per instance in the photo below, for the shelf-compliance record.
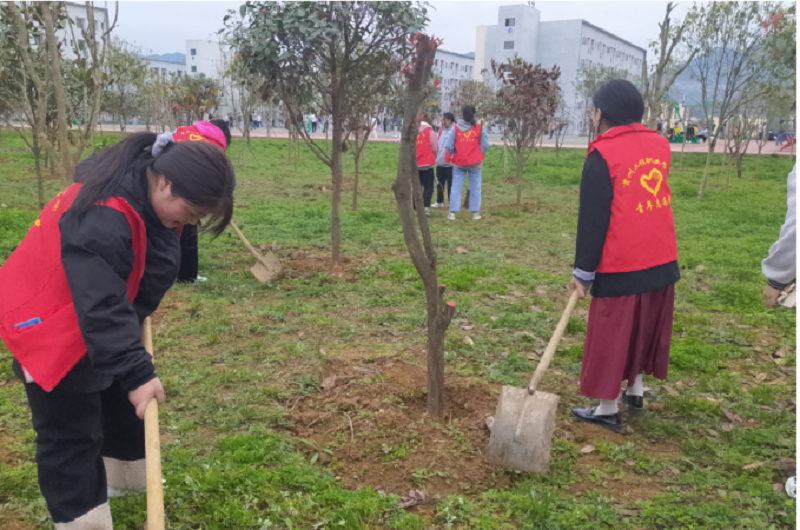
(468, 147)
(641, 234)
(447, 156)
(34, 287)
(425, 156)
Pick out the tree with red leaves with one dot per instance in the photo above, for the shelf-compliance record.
(525, 104)
(416, 231)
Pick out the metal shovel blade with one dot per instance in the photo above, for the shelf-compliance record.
(522, 430)
(266, 268)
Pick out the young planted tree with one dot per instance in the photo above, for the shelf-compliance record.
(562, 120)
(51, 78)
(525, 103)
(673, 53)
(126, 72)
(317, 50)
(587, 81)
(474, 93)
(361, 122)
(243, 90)
(416, 230)
(730, 64)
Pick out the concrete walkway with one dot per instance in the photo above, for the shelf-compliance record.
(570, 142)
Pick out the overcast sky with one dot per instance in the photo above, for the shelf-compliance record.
(164, 27)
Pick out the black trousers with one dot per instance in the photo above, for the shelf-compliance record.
(444, 177)
(188, 270)
(426, 180)
(74, 431)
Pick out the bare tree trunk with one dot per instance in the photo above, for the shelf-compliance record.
(414, 224)
(37, 152)
(704, 180)
(336, 174)
(355, 184)
(520, 181)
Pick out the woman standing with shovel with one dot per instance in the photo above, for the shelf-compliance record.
(93, 266)
(626, 253)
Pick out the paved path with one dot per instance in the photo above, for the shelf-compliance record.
(570, 142)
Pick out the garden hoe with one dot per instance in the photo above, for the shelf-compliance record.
(152, 449)
(267, 267)
(524, 421)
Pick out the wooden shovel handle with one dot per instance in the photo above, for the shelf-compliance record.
(152, 449)
(553, 344)
(248, 245)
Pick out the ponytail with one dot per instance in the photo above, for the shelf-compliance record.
(468, 112)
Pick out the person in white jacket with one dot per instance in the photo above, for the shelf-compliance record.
(780, 266)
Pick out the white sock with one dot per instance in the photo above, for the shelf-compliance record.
(606, 407)
(637, 388)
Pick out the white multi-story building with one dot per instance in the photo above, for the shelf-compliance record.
(71, 37)
(166, 68)
(204, 57)
(454, 69)
(568, 44)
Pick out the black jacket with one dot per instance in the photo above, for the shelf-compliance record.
(594, 217)
(97, 254)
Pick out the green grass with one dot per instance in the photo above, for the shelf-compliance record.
(235, 355)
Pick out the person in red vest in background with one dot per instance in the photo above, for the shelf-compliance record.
(444, 168)
(626, 253)
(189, 269)
(427, 149)
(75, 292)
(468, 143)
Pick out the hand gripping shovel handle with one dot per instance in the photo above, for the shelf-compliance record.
(152, 449)
(553, 344)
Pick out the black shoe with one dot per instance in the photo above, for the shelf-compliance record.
(635, 404)
(612, 422)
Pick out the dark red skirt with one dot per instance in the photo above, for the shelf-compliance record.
(627, 335)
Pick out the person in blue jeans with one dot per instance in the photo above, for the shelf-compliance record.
(467, 143)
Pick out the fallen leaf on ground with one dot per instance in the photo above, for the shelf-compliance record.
(730, 415)
(518, 294)
(744, 326)
(533, 356)
(468, 341)
(715, 400)
(679, 383)
(587, 449)
(493, 319)
(504, 354)
(777, 487)
(630, 462)
(727, 428)
(489, 422)
(329, 382)
(699, 268)
(712, 432)
(757, 349)
(753, 466)
(467, 328)
(564, 235)
(779, 354)
(671, 391)
(462, 250)
(760, 377)
(780, 362)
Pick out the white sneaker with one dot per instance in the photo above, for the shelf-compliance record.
(199, 279)
(451, 216)
(427, 211)
(476, 216)
(437, 205)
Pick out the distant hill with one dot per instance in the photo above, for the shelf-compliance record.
(172, 57)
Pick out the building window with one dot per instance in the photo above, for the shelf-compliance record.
(510, 22)
(585, 40)
(81, 22)
(103, 26)
(193, 51)
(508, 45)
(194, 68)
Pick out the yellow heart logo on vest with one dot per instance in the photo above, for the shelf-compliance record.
(655, 174)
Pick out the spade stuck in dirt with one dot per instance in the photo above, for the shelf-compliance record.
(525, 418)
(267, 267)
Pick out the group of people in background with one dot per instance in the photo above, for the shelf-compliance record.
(457, 152)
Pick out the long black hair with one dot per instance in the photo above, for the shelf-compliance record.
(222, 125)
(468, 113)
(200, 173)
(620, 103)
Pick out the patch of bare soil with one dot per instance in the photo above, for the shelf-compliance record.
(298, 264)
(7, 454)
(10, 520)
(372, 417)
